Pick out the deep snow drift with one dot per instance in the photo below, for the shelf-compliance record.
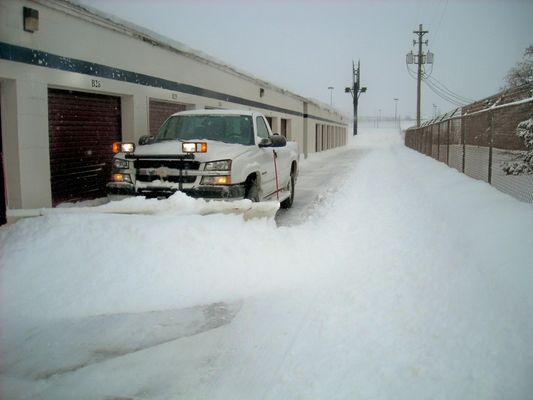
(409, 281)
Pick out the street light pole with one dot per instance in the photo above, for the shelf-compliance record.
(356, 91)
(331, 95)
(396, 122)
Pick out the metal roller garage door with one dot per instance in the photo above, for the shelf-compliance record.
(82, 128)
(160, 111)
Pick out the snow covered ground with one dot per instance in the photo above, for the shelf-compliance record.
(408, 280)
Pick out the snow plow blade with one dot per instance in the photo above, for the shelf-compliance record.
(177, 204)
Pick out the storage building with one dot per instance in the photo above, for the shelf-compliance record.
(74, 80)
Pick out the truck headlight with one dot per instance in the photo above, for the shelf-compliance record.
(120, 164)
(126, 147)
(216, 180)
(194, 147)
(222, 165)
(118, 177)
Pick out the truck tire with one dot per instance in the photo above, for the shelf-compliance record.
(252, 193)
(287, 203)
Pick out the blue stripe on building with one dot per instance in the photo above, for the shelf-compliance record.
(47, 60)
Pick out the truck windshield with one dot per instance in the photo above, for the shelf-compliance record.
(223, 128)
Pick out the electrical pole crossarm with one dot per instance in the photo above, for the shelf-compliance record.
(420, 31)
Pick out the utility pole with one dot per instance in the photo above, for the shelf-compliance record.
(420, 61)
(356, 91)
(356, 77)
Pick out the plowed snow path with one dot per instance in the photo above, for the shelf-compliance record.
(409, 281)
(320, 176)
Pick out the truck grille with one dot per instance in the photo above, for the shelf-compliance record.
(173, 179)
(174, 164)
(171, 164)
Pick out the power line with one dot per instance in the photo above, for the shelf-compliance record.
(448, 91)
(440, 21)
(438, 92)
(444, 88)
(440, 89)
(436, 86)
(443, 95)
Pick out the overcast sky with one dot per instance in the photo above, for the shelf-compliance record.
(306, 46)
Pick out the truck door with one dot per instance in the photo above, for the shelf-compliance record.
(268, 179)
(283, 164)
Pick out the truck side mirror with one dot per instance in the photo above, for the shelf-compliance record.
(146, 139)
(278, 141)
(265, 142)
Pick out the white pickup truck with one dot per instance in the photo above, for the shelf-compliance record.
(212, 154)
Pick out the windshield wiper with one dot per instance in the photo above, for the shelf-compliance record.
(168, 139)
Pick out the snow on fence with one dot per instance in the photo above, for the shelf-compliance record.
(482, 140)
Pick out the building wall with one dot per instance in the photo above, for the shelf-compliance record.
(76, 49)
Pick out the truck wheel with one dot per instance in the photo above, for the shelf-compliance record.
(287, 203)
(252, 193)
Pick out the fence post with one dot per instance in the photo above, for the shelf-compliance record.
(424, 140)
(430, 140)
(438, 141)
(429, 151)
(491, 138)
(426, 134)
(463, 130)
(423, 150)
(448, 144)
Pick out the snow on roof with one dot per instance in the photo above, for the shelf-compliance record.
(113, 22)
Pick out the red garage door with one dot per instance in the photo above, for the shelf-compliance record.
(160, 111)
(83, 127)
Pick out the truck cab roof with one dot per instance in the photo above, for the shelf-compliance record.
(218, 112)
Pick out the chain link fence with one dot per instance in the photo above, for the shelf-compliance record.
(481, 141)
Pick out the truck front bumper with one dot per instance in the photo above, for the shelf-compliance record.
(230, 192)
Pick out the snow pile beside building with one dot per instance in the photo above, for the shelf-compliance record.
(411, 281)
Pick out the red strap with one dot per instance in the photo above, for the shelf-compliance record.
(276, 171)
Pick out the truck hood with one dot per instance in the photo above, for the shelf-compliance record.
(215, 150)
